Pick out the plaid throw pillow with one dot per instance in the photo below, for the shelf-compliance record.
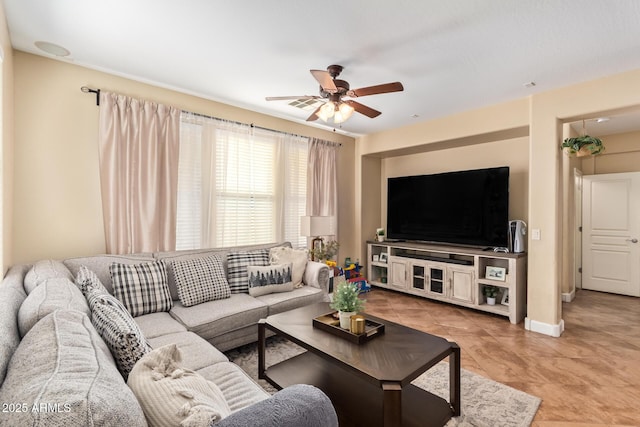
(200, 280)
(142, 288)
(118, 330)
(237, 263)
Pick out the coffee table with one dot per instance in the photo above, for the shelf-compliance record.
(369, 384)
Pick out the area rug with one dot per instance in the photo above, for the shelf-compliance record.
(484, 401)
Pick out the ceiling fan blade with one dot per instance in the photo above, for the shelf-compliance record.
(326, 81)
(363, 109)
(374, 90)
(284, 98)
(314, 115)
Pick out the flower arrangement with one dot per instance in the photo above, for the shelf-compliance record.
(345, 298)
(325, 251)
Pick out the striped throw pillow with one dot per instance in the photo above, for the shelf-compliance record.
(237, 263)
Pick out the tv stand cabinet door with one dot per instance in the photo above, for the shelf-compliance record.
(399, 267)
(462, 283)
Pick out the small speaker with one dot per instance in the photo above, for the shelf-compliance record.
(517, 231)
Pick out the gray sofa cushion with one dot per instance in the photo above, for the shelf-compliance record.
(52, 294)
(298, 405)
(196, 352)
(200, 280)
(286, 301)
(62, 361)
(43, 270)
(12, 295)
(238, 388)
(155, 324)
(100, 265)
(214, 318)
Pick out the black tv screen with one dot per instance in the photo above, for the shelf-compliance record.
(465, 207)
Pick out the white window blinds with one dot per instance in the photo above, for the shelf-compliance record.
(238, 185)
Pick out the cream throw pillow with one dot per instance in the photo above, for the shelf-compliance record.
(286, 255)
(174, 396)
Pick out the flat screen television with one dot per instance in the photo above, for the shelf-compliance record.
(465, 207)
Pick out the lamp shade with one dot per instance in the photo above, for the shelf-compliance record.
(343, 113)
(327, 111)
(312, 226)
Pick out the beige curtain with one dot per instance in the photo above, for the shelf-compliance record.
(139, 146)
(322, 179)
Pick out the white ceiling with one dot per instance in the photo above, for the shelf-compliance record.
(451, 56)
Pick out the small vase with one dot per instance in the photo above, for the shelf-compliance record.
(491, 300)
(345, 319)
(380, 238)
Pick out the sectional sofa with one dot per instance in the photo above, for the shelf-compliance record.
(57, 366)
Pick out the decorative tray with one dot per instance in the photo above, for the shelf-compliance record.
(329, 322)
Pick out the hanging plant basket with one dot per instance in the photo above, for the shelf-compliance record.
(583, 146)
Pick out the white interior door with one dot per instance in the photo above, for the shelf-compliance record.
(611, 229)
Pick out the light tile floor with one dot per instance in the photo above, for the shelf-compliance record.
(590, 376)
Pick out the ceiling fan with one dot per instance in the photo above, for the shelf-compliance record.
(333, 90)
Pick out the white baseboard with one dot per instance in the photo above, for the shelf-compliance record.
(544, 328)
(568, 297)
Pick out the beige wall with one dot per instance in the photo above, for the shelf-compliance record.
(6, 154)
(57, 207)
(622, 154)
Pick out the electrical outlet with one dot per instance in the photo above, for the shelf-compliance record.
(535, 234)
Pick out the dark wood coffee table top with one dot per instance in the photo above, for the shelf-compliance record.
(374, 376)
(399, 355)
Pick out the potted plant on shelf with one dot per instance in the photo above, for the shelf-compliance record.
(583, 146)
(380, 234)
(491, 292)
(346, 301)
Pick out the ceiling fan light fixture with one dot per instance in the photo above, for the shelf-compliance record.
(343, 113)
(327, 111)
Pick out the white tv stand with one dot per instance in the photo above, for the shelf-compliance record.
(451, 274)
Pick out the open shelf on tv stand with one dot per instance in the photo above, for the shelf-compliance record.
(451, 274)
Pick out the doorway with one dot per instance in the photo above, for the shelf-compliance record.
(611, 230)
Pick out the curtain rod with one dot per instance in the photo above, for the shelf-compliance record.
(257, 127)
(86, 89)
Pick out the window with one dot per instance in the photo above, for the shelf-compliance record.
(238, 185)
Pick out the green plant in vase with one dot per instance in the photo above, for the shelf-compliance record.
(346, 301)
(491, 292)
